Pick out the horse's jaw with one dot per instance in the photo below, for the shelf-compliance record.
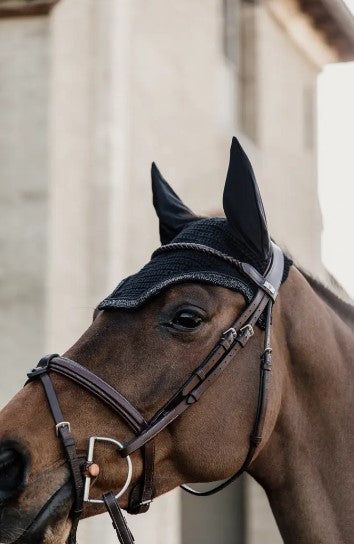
(51, 525)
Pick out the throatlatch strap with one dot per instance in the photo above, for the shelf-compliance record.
(118, 520)
(256, 434)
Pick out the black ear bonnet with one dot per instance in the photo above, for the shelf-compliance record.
(243, 235)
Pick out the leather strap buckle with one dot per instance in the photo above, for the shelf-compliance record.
(247, 328)
(228, 338)
(62, 424)
(266, 359)
(244, 334)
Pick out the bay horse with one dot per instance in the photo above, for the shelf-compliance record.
(171, 384)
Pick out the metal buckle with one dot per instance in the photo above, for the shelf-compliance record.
(269, 287)
(228, 338)
(247, 327)
(60, 425)
(232, 331)
(90, 451)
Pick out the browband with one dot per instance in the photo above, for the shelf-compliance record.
(270, 282)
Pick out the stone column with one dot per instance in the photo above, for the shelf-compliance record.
(23, 196)
(89, 175)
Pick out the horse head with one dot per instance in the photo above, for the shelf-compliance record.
(166, 371)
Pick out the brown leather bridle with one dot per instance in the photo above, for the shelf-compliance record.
(230, 343)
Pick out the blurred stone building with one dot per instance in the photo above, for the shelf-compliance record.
(91, 91)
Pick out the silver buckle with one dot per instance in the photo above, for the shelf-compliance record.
(248, 327)
(60, 425)
(232, 331)
(90, 451)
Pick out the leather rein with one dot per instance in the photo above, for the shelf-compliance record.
(230, 343)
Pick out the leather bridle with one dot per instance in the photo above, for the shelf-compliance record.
(230, 343)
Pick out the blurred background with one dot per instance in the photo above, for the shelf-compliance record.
(91, 91)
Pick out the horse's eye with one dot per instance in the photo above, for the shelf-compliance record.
(186, 319)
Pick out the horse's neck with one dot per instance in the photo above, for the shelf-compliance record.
(306, 467)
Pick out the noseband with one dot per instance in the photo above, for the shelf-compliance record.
(230, 343)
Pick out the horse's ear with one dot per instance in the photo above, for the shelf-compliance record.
(243, 204)
(171, 211)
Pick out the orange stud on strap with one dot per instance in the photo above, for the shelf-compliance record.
(91, 470)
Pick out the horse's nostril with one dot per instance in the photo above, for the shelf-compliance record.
(13, 470)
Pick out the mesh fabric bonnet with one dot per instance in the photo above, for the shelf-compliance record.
(243, 235)
(188, 265)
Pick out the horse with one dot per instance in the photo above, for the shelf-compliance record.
(219, 356)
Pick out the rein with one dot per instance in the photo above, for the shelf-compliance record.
(230, 343)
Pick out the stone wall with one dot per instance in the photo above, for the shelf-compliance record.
(24, 68)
